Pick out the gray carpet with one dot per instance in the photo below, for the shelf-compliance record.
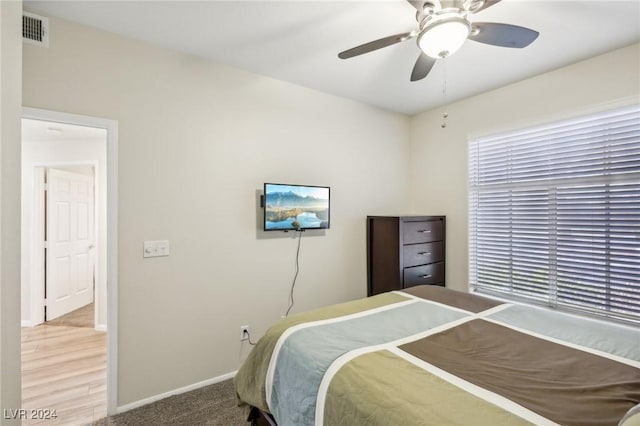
(213, 405)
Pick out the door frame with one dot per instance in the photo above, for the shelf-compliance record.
(111, 127)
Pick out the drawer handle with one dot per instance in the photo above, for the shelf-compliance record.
(425, 231)
(425, 276)
(424, 253)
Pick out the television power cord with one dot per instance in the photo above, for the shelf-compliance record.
(293, 284)
(248, 335)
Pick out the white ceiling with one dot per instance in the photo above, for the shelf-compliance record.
(298, 41)
(46, 131)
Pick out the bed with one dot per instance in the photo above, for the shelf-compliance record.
(434, 356)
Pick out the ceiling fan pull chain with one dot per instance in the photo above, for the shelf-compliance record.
(444, 93)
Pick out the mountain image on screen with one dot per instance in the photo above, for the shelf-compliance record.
(291, 207)
(291, 199)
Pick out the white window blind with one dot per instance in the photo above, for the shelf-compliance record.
(554, 214)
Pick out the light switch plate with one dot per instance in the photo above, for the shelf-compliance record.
(155, 248)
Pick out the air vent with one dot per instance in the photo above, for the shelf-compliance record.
(35, 29)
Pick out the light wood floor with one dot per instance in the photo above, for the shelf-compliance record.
(82, 317)
(64, 369)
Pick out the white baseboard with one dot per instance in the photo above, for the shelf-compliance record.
(101, 327)
(140, 403)
(26, 323)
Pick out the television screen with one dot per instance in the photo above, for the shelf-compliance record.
(295, 207)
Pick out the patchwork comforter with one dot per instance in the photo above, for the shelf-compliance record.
(434, 356)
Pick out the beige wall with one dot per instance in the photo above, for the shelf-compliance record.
(196, 141)
(439, 156)
(10, 111)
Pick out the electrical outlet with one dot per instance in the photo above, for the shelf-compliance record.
(244, 333)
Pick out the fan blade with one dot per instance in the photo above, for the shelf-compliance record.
(375, 45)
(422, 67)
(487, 3)
(503, 35)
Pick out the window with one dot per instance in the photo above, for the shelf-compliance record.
(554, 214)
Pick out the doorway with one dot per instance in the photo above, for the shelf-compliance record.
(64, 221)
(69, 252)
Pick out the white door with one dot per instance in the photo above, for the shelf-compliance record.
(70, 242)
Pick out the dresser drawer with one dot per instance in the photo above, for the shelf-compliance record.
(425, 274)
(421, 232)
(420, 254)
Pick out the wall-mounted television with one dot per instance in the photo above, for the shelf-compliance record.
(295, 207)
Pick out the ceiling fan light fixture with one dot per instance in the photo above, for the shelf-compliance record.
(444, 37)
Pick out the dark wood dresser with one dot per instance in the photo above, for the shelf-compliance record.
(403, 251)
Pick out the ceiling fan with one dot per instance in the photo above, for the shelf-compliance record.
(443, 27)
